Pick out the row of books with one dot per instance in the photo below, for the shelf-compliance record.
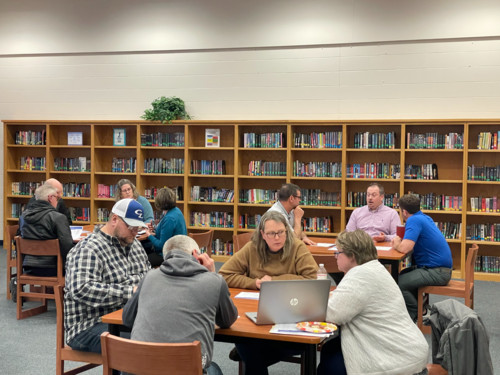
(79, 190)
(266, 168)
(32, 163)
(421, 172)
(217, 167)
(124, 165)
(318, 140)
(151, 192)
(450, 230)
(79, 213)
(375, 140)
(434, 140)
(317, 224)
(317, 169)
(440, 202)
(373, 170)
(487, 263)
(17, 209)
(102, 214)
(160, 165)
(358, 199)
(106, 191)
(214, 219)
(258, 196)
(488, 141)
(220, 247)
(25, 188)
(163, 139)
(484, 232)
(266, 140)
(247, 221)
(317, 197)
(30, 137)
(79, 164)
(484, 204)
(211, 194)
(483, 173)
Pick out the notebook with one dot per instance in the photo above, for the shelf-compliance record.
(291, 301)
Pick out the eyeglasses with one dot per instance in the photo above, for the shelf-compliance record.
(336, 253)
(275, 234)
(126, 190)
(130, 228)
(298, 196)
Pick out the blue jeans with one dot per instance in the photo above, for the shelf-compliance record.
(90, 339)
(412, 278)
(213, 369)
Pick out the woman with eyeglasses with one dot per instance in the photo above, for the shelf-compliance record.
(377, 336)
(273, 253)
(126, 189)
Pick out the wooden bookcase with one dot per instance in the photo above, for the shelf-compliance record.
(97, 137)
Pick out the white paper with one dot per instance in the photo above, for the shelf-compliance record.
(248, 295)
(76, 232)
(334, 247)
(291, 329)
(384, 248)
(323, 244)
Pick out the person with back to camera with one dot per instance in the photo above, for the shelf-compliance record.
(431, 258)
(171, 224)
(274, 253)
(181, 301)
(376, 334)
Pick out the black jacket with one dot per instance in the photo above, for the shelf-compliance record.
(41, 221)
(61, 207)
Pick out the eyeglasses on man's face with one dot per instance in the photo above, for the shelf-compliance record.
(130, 228)
(275, 234)
(336, 253)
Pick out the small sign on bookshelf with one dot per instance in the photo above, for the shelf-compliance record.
(212, 137)
(75, 138)
(119, 137)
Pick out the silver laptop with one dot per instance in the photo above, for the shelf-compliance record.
(291, 301)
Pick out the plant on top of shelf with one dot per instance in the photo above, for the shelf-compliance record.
(166, 110)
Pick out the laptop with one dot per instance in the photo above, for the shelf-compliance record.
(291, 301)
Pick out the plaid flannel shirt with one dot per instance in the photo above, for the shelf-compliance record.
(100, 277)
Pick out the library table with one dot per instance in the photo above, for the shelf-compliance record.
(391, 257)
(244, 330)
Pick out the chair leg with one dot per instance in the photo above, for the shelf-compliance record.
(241, 368)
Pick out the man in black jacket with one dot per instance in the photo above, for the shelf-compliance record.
(61, 207)
(41, 221)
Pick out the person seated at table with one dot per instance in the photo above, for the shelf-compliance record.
(431, 258)
(172, 223)
(181, 301)
(274, 253)
(41, 221)
(102, 272)
(126, 189)
(376, 219)
(376, 334)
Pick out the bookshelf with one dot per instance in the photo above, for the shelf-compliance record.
(333, 159)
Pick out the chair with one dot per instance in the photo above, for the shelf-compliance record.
(204, 240)
(455, 288)
(36, 247)
(63, 351)
(146, 358)
(239, 240)
(435, 369)
(11, 256)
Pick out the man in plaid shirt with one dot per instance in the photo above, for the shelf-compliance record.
(102, 272)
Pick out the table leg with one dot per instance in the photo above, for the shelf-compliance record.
(310, 359)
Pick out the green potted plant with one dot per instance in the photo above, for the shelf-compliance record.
(166, 110)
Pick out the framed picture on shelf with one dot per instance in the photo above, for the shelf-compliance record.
(119, 137)
(75, 138)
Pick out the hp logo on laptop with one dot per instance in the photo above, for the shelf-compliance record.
(294, 302)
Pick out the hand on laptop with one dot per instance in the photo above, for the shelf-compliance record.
(262, 279)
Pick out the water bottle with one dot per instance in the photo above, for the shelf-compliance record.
(322, 274)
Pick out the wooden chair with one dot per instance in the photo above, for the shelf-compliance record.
(239, 240)
(455, 288)
(11, 256)
(63, 351)
(435, 369)
(146, 358)
(34, 247)
(204, 240)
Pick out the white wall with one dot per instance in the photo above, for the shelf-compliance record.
(331, 60)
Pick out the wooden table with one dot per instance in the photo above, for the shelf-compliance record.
(325, 256)
(244, 330)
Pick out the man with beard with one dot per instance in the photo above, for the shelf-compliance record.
(102, 272)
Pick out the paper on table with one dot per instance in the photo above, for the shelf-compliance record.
(384, 248)
(291, 329)
(334, 247)
(76, 232)
(248, 295)
(323, 244)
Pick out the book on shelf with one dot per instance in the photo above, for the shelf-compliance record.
(212, 138)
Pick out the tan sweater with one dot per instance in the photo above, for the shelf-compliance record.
(244, 268)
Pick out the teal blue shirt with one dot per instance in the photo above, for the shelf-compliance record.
(146, 208)
(171, 224)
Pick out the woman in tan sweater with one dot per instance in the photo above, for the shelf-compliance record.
(274, 253)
